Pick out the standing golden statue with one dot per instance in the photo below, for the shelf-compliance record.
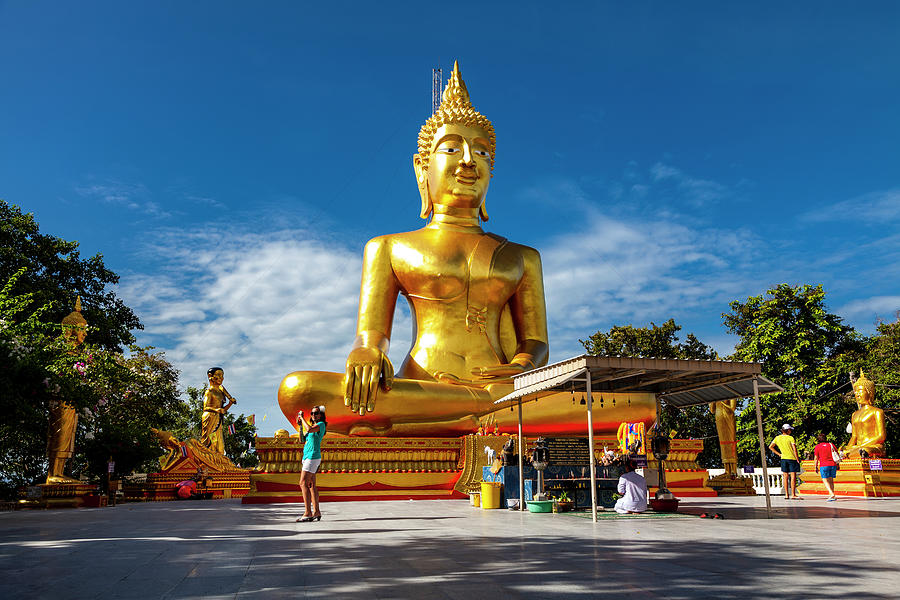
(212, 421)
(868, 429)
(477, 301)
(727, 431)
(63, 418)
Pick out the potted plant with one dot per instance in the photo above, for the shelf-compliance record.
(563, 503)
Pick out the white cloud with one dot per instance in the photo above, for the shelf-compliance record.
(134, 196)
(874, 207)
(697, 191)
(874, 308)
(617, 272)
(660, 171)
(259, 305)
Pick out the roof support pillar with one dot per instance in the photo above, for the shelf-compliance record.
(590, 425)
(521, 462)
(762, 446)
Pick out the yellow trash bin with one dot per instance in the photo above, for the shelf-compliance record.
(490, 494)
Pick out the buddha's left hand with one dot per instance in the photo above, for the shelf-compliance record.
(505, 370)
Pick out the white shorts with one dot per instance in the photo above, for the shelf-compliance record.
(311, 465)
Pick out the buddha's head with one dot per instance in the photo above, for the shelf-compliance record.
(75, 325)
(456, 153)
(216, 376)
(864, 389)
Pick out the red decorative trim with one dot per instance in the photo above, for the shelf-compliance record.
(272, 486)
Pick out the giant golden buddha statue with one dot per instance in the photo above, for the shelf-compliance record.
(477, 301)
(868, 430)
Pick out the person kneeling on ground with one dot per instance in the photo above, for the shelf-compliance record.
(633, 488)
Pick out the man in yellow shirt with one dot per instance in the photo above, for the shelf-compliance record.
(790, 463)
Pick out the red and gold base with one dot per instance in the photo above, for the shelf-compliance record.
(856, 478)
(62, 495)
(220, 478)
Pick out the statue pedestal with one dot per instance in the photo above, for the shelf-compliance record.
(358, 468)
(684, 478)
(222, 479)
(732, 485)
(855, 477)
(61, 495)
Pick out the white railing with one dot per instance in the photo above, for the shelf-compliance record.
(757, 477)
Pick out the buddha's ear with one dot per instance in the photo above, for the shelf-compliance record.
(482, 210)
(422, 183)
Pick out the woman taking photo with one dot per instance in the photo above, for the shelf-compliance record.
(312, 432)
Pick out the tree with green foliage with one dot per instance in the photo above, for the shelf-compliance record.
(656, 341)
(142, 394)
(55, 273)
(661, 341)
(117, 398)
(803, 348)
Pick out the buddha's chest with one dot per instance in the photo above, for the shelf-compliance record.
(447, 272)
(864, 417)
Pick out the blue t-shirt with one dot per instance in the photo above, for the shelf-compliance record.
(312, 447)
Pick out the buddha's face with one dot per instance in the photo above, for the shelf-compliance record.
(862, 394)
(459, 169)
(76, 334)
(217, 377)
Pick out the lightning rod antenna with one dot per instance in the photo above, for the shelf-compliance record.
(437, 78)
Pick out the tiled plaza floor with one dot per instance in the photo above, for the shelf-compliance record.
(447, 549)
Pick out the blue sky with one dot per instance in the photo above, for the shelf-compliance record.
(230, 160)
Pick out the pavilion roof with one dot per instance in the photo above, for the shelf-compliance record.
(676, 382)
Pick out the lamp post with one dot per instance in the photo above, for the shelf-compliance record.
(540, 458)
(659, 446)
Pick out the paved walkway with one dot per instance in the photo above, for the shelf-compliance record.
(447, 549)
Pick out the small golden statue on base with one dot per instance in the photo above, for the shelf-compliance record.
(867, 423)
(63, 418)
(727, 430)
(730, 482)
(212, 431)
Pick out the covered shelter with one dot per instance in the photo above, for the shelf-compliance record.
(674, 382)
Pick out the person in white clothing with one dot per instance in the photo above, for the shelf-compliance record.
(633, 488)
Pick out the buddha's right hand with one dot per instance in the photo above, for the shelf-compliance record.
(366, 368)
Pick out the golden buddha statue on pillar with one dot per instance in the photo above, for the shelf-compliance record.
(726, 428)
(868, 428)
(477, 301)
(63, 418)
